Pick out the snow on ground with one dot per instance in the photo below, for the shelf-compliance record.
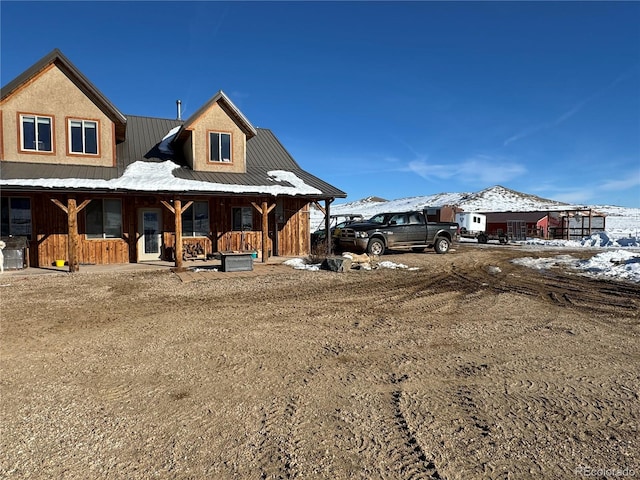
(302, 264)
(614, 265)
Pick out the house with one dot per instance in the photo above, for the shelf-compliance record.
(85, 183)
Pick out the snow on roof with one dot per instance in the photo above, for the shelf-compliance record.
(153, 176)
(164, 145)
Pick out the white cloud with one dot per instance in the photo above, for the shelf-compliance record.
(476, 170)
(546, 125)
(566, 115)
(629, 181)
(587, 191)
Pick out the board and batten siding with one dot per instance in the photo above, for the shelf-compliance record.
(50, 230)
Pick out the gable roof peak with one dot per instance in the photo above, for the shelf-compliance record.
(56, 57)
(221, 97)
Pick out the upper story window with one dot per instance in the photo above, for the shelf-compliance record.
(219, 147)
(36, 133)
(83, 137)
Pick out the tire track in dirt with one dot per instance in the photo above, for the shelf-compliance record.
(415, 465)
(594, 296)
(278, 442)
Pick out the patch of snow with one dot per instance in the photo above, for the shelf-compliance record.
(616, 264)
(300, 264)
(597, 240)
(395, 266)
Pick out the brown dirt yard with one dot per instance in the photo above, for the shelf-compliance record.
(453, 371)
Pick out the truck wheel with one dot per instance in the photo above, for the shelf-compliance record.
(503, 240)
(482, 238)
(441, 245)
(375, 247)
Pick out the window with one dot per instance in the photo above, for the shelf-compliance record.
(16, 217)
(36, 133)
(378, 218)
(219, 147)
(416, 218)
(83, 137)
(195, 220)
(104, 219)
(398, 220)
(242, 218)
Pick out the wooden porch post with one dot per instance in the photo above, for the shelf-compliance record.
(265, 232)
(72, 209)
(264, 211)
(327, 223)
(72, 216)
(177, 205)
(177, 210)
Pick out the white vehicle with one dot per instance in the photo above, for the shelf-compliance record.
(474, 225)
(471, 224)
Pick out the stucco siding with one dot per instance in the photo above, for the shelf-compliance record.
(53, 94)
(215, 119)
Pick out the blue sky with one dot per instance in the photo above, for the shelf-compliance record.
(391, 99)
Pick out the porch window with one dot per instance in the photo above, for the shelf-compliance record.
(195, 220)
(16, 217)
(83, 137)
(36, 133)
(242, 218)
(104, 219)
(219, 147)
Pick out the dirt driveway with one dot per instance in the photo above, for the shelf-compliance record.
(456, 370)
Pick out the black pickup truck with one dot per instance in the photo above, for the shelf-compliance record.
(398, 230)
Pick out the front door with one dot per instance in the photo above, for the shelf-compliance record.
(149, 234)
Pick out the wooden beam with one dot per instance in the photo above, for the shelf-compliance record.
(73, 240)
(319, 207)
(327, 222)
(265, 231)
(264, 210)
(168, 205)
(177, 206)
(260, 208)
(60, 204)
(185, 207)
(82, 205)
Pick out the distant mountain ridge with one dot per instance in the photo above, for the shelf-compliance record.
(492, 199)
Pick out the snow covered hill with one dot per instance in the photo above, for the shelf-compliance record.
(620, 221)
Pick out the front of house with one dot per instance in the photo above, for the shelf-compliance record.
(84, 183)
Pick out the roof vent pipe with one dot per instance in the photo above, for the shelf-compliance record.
(179, 107)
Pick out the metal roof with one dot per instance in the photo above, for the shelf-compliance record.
(265, 153)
